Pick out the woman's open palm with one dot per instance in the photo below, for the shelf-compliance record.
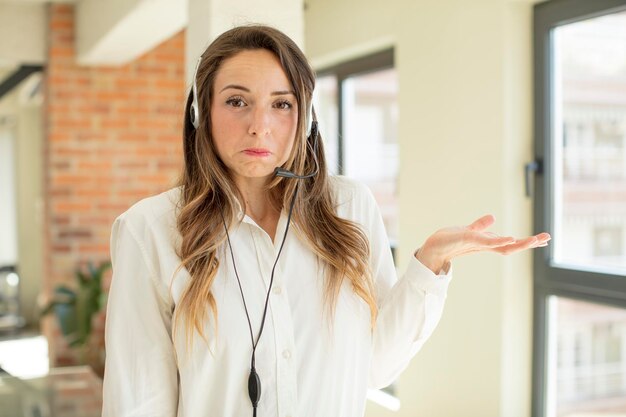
(451, 242)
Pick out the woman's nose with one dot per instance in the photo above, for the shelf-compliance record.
(260, 123)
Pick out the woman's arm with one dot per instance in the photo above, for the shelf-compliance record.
(140, 376)
(410, 309)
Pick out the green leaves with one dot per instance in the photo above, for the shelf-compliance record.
(75, 307)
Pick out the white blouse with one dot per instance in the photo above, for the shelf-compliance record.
(308, 364)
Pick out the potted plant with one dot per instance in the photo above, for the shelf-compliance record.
(76, 307)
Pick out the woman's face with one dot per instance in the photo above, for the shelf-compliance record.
(254, 115)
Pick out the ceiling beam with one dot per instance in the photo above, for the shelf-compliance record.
(115, 32)
(19, 75)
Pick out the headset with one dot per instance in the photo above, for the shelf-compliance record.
(312, 133)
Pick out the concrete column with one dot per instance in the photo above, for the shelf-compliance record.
(207, 19)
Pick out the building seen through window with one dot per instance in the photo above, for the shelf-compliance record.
(586, 357)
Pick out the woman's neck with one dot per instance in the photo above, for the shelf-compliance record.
(258, 205)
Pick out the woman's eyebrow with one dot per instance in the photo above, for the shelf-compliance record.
(247, 90)
(236, 87)
(282, 93)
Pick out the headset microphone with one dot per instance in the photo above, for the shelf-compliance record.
(282, 172)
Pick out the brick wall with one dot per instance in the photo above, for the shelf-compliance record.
(113, 136)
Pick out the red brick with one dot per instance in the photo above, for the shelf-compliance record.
(71, 151)
(152, 69)
(165, 84)
(112, 138)
(133, 137)
(66, 207)
(97, 220)
(61, 248)
(132, 163)
(132, 83)
(61, 52)
(60, 220)
(167, 56)
(74, 234)
(60, 11)
(67, 179)
(59, 137)
(115, 123)
(174, 166)
(119, 96)
(100, 165)
(60, 192)
(94, 248)
(67, 123)
(175, 138)
(94, 108)
(93, 193)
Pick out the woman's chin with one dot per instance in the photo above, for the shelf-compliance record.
(266, 173)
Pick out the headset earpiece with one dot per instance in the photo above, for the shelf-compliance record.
(310, 121)
(194, 111)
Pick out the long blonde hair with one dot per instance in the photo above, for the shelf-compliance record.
(207, 188)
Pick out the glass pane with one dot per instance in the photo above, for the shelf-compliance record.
(370, 121)
(325, 103)
(8, 203)
(586, 359)
(589, 147)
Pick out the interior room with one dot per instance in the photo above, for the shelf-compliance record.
(445, 110)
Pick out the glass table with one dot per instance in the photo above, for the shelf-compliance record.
(63, 392)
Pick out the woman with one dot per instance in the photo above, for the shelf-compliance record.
(215, 309)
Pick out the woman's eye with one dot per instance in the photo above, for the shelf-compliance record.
(235, 102)
(283, 104)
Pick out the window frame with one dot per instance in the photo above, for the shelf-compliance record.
(551, 279)
(370, 63)
(373, 62)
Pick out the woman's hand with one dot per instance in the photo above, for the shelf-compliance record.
(446, 244)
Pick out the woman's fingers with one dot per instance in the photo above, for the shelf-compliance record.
(482, 223)
(481, 241)
(543, 237)
(522, 244)
(489, 240)
(451, 242)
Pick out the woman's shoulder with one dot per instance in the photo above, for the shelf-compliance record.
(157, 209)
(350, 194)
(345, 188)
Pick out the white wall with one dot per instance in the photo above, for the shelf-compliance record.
(29, 179)
(465, 133)
(210, 18)
(8, 230)
(21, 214)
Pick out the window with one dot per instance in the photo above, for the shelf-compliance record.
(579, 347)
(357, 106)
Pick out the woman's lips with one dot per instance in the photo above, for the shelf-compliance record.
(256, 152)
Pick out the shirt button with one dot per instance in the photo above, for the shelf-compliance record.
(277, 290)
(286, 354)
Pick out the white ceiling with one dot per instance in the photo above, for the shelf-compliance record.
(38, 1)
(107, 33)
